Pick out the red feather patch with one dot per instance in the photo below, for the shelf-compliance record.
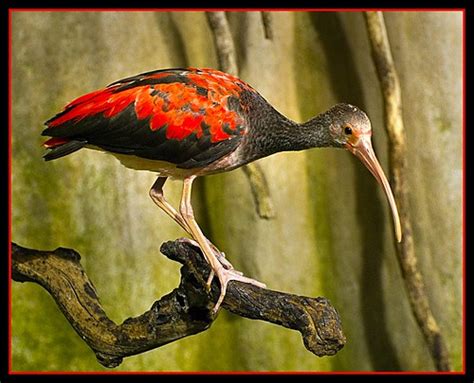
(184, 102)
(55, 141)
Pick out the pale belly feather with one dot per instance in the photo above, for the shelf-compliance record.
(167, 169)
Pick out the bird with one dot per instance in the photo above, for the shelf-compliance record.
(183, 123)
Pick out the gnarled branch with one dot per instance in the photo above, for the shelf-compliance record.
(185, 311)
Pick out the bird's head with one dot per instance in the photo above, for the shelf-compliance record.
(350, 128)
(348, 124)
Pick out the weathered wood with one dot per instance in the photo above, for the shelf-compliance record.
(185, 311)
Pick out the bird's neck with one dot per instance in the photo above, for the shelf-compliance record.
(274, 133)
(314, 133)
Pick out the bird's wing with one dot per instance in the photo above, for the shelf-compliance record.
(188, 117)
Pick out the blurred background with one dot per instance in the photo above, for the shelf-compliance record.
(332, 234)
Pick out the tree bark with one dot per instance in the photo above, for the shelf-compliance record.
(185, 311)
(407, 258)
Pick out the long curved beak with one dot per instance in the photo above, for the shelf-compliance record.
(363, 150)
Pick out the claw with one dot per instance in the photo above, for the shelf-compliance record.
(225, 273)
(209, 280)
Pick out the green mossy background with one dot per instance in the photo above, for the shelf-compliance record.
(332, 235)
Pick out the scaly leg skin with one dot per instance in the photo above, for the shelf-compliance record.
(219, 254)
(224, 275)
(157, 195)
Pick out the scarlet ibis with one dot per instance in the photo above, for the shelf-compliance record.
(189, 122)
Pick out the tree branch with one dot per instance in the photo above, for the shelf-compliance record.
(223, 39)
(382, 57)
(228, 63)
(267, 24)
(185, 311)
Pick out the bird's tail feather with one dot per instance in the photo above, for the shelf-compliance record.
(64, 149)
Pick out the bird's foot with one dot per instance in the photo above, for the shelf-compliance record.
(225, 276)
(219, 254)
(225, 272)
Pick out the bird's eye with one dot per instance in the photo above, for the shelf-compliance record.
(348, 130)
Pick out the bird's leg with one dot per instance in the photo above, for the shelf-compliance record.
(157, 195)
(224, 275)
(220, 255)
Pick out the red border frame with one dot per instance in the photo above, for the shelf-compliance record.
(463, 372)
